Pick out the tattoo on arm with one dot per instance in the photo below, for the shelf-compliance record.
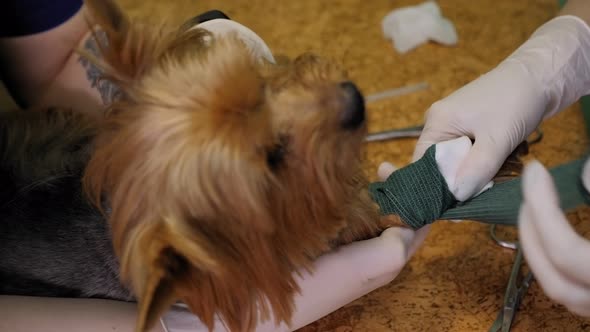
(107, 90)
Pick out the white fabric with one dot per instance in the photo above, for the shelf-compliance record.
(412, 26)
(503, 107)
(221, 27)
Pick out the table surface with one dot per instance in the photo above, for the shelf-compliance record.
(456, 281)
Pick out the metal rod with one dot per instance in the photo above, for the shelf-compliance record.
(395, 133)
(392, 93)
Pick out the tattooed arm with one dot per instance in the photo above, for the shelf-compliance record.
(42, 69)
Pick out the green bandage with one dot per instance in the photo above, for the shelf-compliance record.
(501, 203)
(419, 194)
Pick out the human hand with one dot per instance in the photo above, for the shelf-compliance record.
(339, 277)
(501, 108)
(556, 254)
(354, 270)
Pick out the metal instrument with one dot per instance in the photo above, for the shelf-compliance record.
(395, 134)
(515, 291)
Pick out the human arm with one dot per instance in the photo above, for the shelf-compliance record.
(46, 314)
(501, 108)
(40, 67)
(339, 277)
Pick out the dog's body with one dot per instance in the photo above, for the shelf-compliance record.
(53, 242)
(212, 180)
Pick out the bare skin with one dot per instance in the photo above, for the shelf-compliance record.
(59, 78)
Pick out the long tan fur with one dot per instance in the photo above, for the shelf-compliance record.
(223, 175)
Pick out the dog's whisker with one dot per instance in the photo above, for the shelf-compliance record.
(32, 186)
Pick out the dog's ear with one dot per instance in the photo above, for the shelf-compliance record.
(158, 294)
(108, 15)
(161, 257)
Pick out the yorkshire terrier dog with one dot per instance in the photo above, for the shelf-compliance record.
(212, 178)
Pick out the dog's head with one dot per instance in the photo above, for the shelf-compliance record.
(224, 173)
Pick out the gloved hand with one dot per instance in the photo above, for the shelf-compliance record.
(500, 109)
(555, 253)
(340, 277)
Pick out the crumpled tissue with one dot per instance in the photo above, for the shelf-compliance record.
(409, 27)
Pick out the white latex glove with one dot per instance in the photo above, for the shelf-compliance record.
(340, 277)
(556, 254)
(500, 109)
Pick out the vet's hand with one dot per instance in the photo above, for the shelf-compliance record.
(501, 108)
(354, 270)
(554, 251)
(339, 277)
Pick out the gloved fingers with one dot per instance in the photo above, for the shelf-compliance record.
(557, 286)
(437, 128)
(565, 249)
(582, 310)
(478, 168)
(419, 237)
(424, 142)
(389, 253)
(345, 274)
(349, 272)
(385, 170)
(449, 157)
(369, 259)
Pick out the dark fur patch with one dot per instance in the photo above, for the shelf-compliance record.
(52, 241)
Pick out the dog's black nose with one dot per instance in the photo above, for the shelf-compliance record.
(353, 114)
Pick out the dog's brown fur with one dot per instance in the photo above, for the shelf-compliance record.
(224, 175)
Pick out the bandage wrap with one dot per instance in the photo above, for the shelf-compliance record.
(417, 193)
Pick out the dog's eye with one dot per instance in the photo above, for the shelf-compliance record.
(276, 154)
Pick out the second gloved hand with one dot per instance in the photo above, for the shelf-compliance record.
(501, 108)
(554, 251)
